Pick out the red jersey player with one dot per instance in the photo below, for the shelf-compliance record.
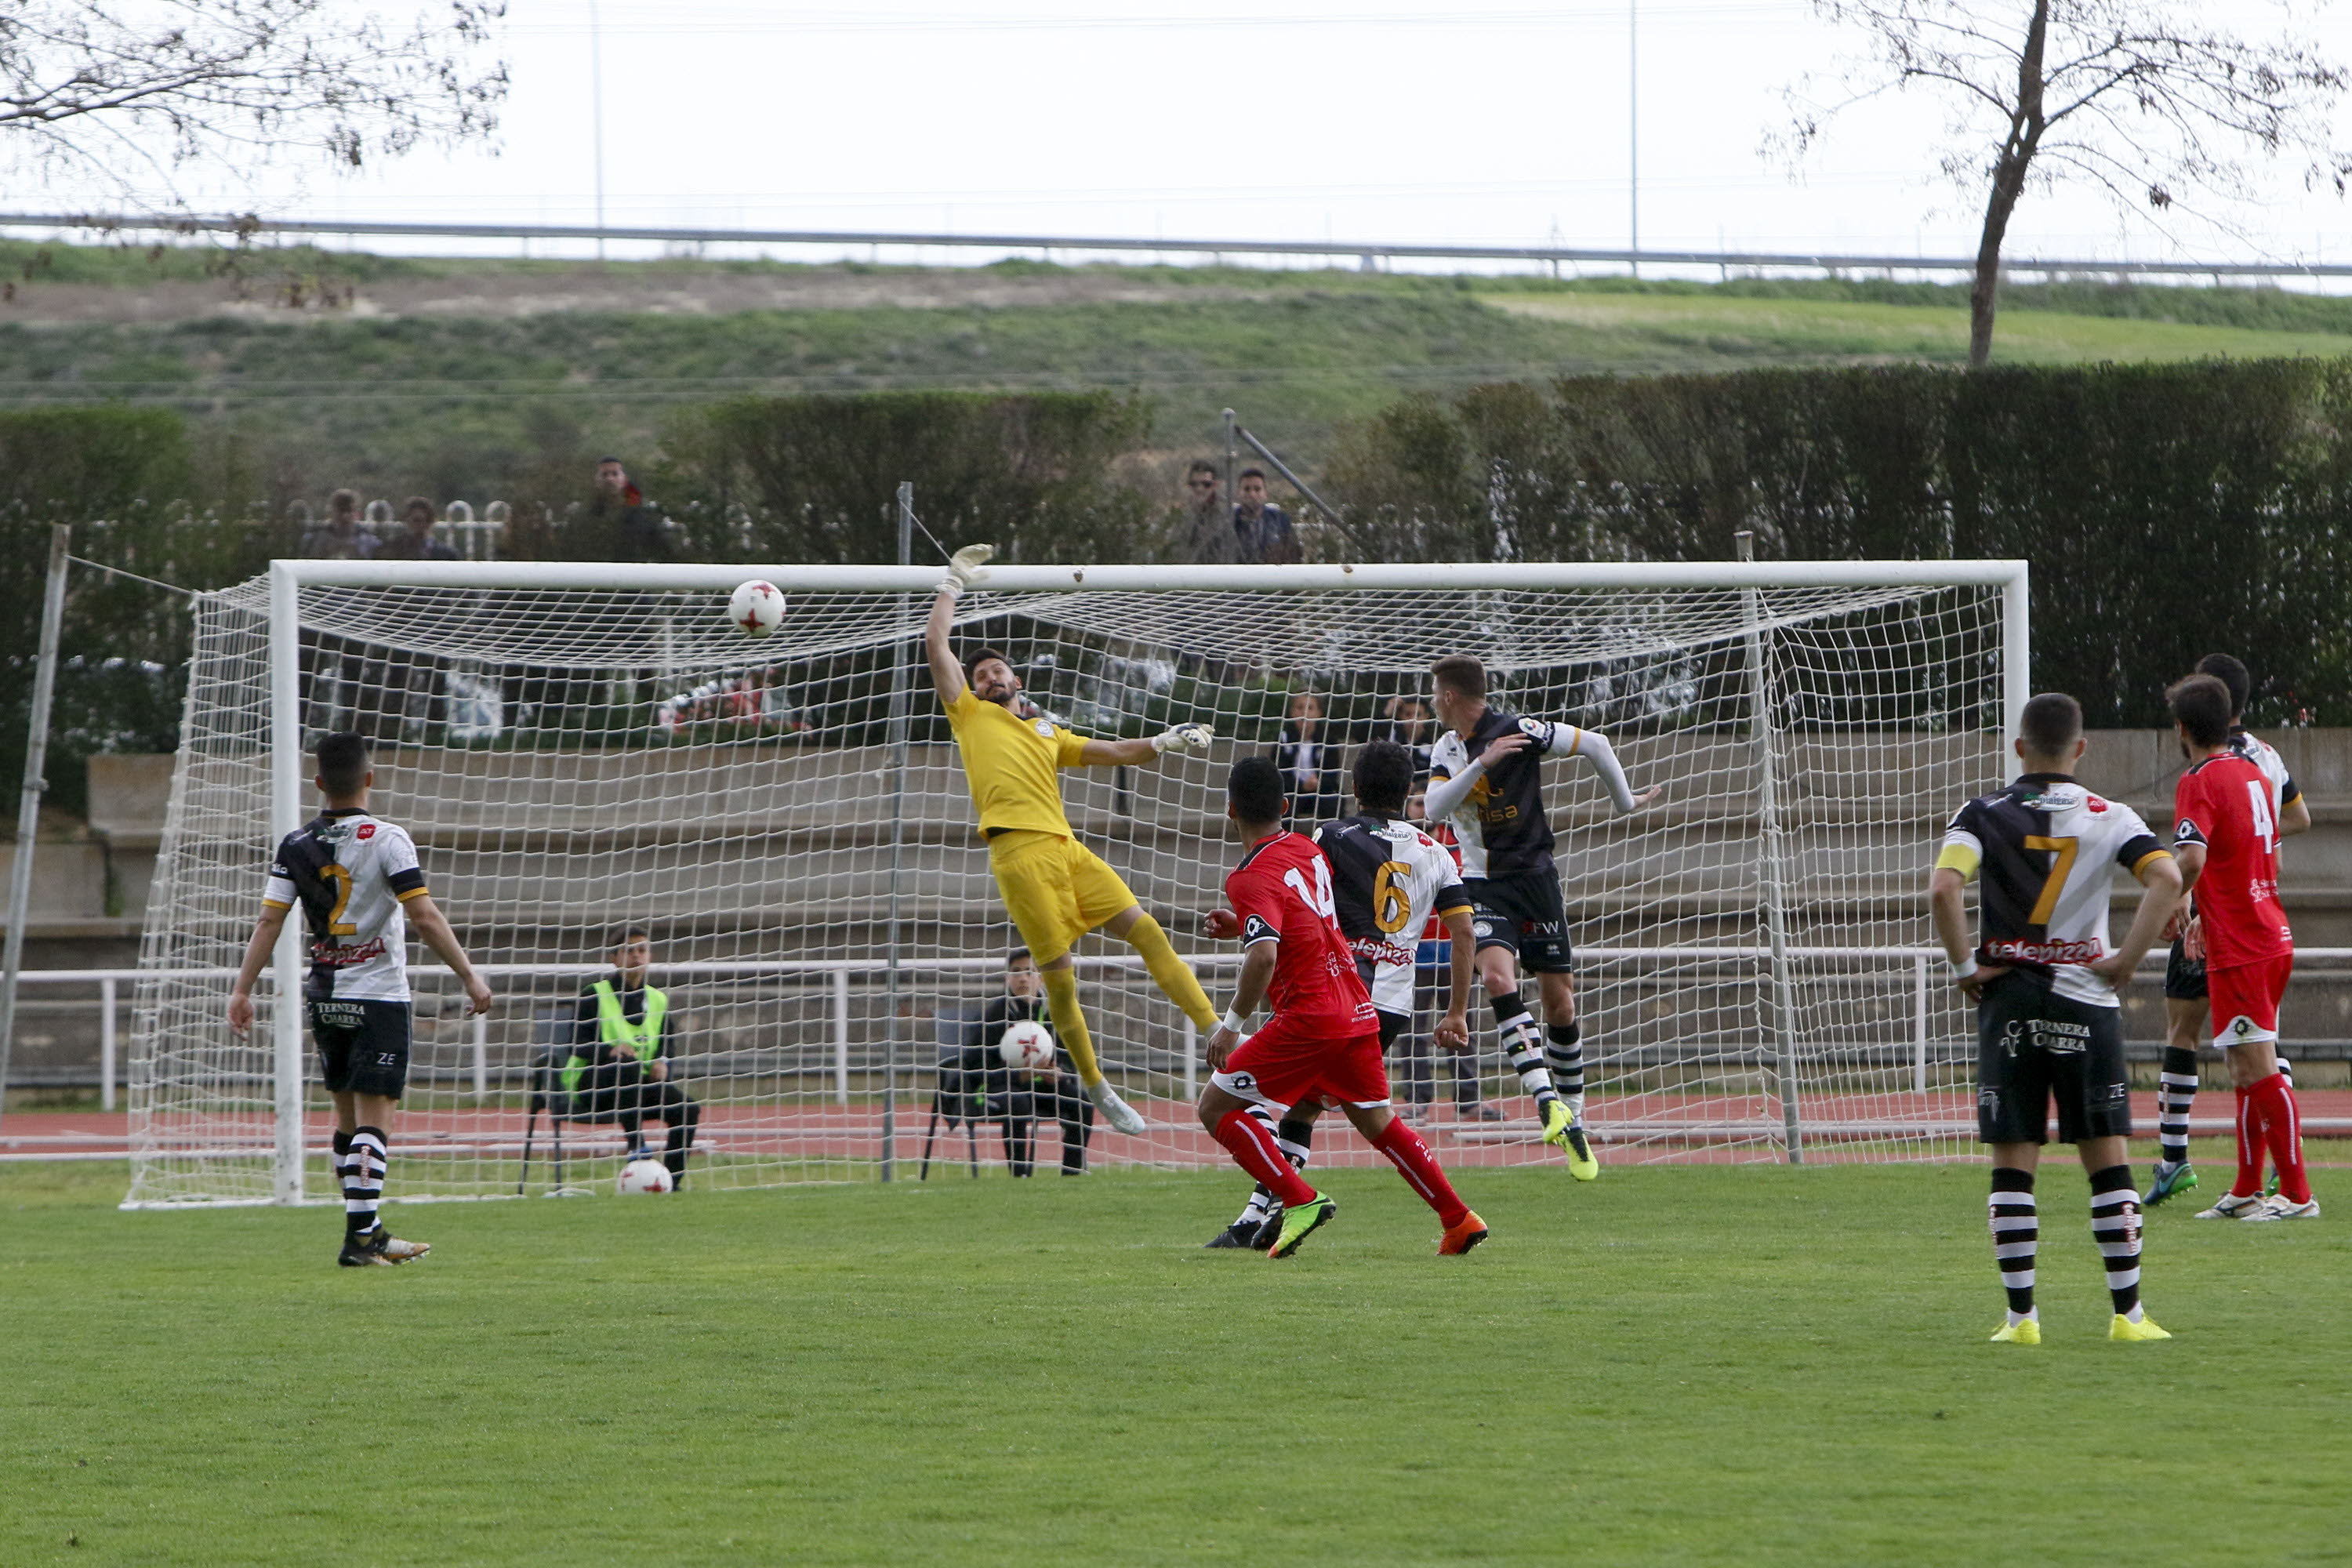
(1323, 1037)
(2226, 839)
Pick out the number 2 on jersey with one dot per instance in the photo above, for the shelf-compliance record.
(2063, 848)
(1318, 897)
(341, 876)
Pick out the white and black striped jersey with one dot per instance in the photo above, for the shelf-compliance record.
(2048, 850)
(1388, 877)
(1501, 827)
(351, 872)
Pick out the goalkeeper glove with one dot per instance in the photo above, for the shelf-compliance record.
(1183, 740)
(966, 567)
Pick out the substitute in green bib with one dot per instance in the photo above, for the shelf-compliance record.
(621, 1067)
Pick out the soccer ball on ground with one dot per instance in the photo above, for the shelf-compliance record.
(1026, 1046)
(756, 608)
(643, 1176)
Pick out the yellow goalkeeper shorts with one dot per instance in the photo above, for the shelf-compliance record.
(1056, 889)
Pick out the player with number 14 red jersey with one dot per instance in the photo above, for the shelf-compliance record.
(1323, 1037)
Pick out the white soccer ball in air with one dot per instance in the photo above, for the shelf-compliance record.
(643, 1176)
(756, 608)
(1026, 1046)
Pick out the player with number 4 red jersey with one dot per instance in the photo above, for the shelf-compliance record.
(2225, 836)
(1324, 1038)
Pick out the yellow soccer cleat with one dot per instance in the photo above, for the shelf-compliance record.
(1562, 1127)
(2126, 1331)
(2027, 1332)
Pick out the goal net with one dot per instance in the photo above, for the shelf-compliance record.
(580, 749)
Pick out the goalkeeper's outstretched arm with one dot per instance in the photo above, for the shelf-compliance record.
(965, 569)
(1184, 740)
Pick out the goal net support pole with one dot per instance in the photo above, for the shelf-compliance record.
(1808, 719)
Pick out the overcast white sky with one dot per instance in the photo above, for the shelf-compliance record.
(1501, 121)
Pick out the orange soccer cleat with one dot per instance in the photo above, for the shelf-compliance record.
(1462, 1236)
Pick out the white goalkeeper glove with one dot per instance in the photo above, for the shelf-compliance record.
(966, 567)
(1184, 740)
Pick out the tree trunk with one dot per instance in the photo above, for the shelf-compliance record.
(2009, 171)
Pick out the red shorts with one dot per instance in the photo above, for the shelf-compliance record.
(2245, 999)
(1285, 1064)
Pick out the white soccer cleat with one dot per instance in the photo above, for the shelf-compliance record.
(1117, 1112)
(2277, 1208)
(2232, 1207)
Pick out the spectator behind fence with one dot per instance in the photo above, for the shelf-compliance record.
(1308, 761)
(339, 537)
(1204, 524)
(1408, 722)
(414, 541)
(1263, 534)
(1013, 1099)
(618, 524)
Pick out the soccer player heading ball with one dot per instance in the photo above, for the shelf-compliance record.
(1324, 1039)
(1055, 888)
(1486, 778)
(2043, 980)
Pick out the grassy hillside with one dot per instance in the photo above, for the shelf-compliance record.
(476, 378)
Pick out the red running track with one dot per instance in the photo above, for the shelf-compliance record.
(1651, 1129)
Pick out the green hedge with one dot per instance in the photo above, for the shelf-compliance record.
(2168, 511)
(124, 647)
(810, 479)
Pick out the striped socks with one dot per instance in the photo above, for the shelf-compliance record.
(2016, 1236)
(2115, 1225)
(2176, 1092)
(1523, 1046)
(1565, 1056)
(364, 1182)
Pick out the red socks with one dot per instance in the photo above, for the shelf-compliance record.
(2250, 1147)
(1253, 1149)
(2281, 1121)
(1414, 1163)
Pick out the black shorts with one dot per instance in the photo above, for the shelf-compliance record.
(2184, 977)
(1526, 913)
(2032, 1045)
(362, 1045)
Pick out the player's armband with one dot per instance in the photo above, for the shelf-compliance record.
(1962, 853)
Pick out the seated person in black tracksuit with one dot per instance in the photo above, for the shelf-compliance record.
(1015, 1100)
(619, 1068)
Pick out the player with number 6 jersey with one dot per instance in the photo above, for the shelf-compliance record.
(1323, 1037)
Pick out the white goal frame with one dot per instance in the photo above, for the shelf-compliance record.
(287, 578)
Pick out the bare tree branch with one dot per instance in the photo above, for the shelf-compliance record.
(2143, 100)
(227, 84)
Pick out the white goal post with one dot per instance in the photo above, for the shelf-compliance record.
(580, 745)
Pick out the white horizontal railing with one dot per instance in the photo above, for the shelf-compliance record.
(840, 972)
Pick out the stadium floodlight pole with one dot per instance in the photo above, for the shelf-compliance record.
(29, 803)
(285, 816)
(1776, 888)
(906, 510)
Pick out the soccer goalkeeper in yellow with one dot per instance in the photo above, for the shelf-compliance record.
(1055, 888)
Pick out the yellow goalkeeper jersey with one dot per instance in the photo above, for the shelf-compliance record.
(1012, 765)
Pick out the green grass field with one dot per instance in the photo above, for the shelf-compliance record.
(1713, 1366)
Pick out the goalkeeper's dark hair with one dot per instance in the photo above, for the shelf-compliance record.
(344, 764)
(979, 657)
(1255, 788)
(1383, 777)
(2201, 705)
(2049, 725)
(2232, 673)
(1464, 673)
